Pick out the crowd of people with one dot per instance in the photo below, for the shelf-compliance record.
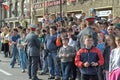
(87, 48)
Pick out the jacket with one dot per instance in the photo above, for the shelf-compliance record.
(50, 42)
(87, 30)
(33, 44)
(106, 56)
(114, 59)
(88, 55)
(70, 51)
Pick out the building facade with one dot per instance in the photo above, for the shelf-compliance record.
(103, 7)
(13, 17)
(35, 9)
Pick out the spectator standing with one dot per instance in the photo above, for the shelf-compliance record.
(21, 49)
(5, 45)
(33, 46)
(114, 65)
(51, 48)
(14, 39)
(88, 59)
(66, 54)
(87, 30)
(101, 47)
(110, 45)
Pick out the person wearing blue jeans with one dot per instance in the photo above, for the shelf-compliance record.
(23, 60)
(45, 62)
(21, 48)
(52, 64)
(66, 67)
(14, 39)
(50, 46)
(66, 55)
(14, 53)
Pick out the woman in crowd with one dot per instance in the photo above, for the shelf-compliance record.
(5, 45)
(110, 45)
(21, 49)
(114, 64)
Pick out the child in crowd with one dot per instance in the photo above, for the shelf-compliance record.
(114, 65)
(88, 59)
(101, 47)
(110, 45)
(66, 54)
(21, 49)
(101, 44)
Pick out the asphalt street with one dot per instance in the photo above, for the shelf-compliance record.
(7, 73)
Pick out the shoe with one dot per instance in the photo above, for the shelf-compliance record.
(11, 66)
(36, 79)
(23, 71)
(42, 73)
(51, 77)
(57, 78)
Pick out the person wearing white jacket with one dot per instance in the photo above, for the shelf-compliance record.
(114, 64)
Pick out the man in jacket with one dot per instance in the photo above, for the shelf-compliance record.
(87, 30)
(50, 45)
(33, 46)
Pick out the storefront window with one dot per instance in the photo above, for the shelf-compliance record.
(18, 9)
(27, 8)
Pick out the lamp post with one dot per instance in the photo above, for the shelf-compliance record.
(61, 12)
(1, 12)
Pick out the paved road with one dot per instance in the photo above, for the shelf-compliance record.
(7, 73)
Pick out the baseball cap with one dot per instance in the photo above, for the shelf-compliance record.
(92, 10)
(117, 26)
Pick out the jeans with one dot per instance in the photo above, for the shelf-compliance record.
(14, 53)
(66, 68)
(23, 59)
(45, 64)
(52, 64)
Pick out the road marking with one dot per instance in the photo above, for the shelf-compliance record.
(6, 73)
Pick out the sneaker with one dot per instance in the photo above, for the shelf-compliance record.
(11, 66)
(57, 78)
(51, 77)
(36, 78)
(23, 71)
(42, 73)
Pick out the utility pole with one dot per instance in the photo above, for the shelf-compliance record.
(61, 12)
(44, 8)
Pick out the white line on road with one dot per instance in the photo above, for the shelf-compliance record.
(6, 73)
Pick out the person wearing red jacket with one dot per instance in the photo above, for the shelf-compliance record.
(88, 59)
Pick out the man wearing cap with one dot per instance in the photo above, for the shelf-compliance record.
(87, 30)
(33, 46)
(117, 29)
(93, 14)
